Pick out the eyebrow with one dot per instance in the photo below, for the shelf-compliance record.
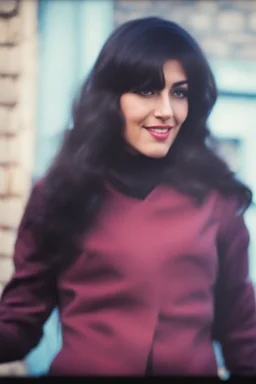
(179, 83)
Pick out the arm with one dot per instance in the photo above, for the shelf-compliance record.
(235, 310)
(30, 295)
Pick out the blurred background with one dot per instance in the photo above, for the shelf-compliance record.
(47, 48)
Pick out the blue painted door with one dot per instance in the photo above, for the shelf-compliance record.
(58, 74)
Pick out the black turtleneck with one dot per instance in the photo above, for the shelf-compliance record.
(137, 175)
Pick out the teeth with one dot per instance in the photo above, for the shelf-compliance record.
(159, 130)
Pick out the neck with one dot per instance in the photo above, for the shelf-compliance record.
(137, 174)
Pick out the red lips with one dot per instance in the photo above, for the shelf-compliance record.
(159, 132)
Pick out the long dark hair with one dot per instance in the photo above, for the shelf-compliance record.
(133, 56)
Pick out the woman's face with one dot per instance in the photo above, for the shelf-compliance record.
(154, 118)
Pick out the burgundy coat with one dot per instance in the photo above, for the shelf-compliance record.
(157, 280)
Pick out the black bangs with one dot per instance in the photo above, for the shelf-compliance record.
(139, 74)
(142, 67)
(133, 60)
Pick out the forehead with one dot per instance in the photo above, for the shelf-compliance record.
(173, 72)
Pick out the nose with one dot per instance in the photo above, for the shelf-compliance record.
(163, 109)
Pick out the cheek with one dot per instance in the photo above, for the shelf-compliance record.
(134, 117)
(133, 110)
(182, 112)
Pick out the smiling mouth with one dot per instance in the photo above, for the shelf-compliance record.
(159, 132)
(158, 129)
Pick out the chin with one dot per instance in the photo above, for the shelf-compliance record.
(157, 151)
(156, 154)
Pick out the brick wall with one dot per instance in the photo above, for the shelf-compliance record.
(18, 34)
(226, 29)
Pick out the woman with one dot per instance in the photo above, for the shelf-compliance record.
(136, 232)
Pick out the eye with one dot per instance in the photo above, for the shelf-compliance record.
(181, 93)
(145, 92)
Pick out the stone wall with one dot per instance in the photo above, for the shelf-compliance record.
(226, 29)
(18, 36)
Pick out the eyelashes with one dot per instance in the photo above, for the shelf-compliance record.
(146, 92)
(180, 93)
